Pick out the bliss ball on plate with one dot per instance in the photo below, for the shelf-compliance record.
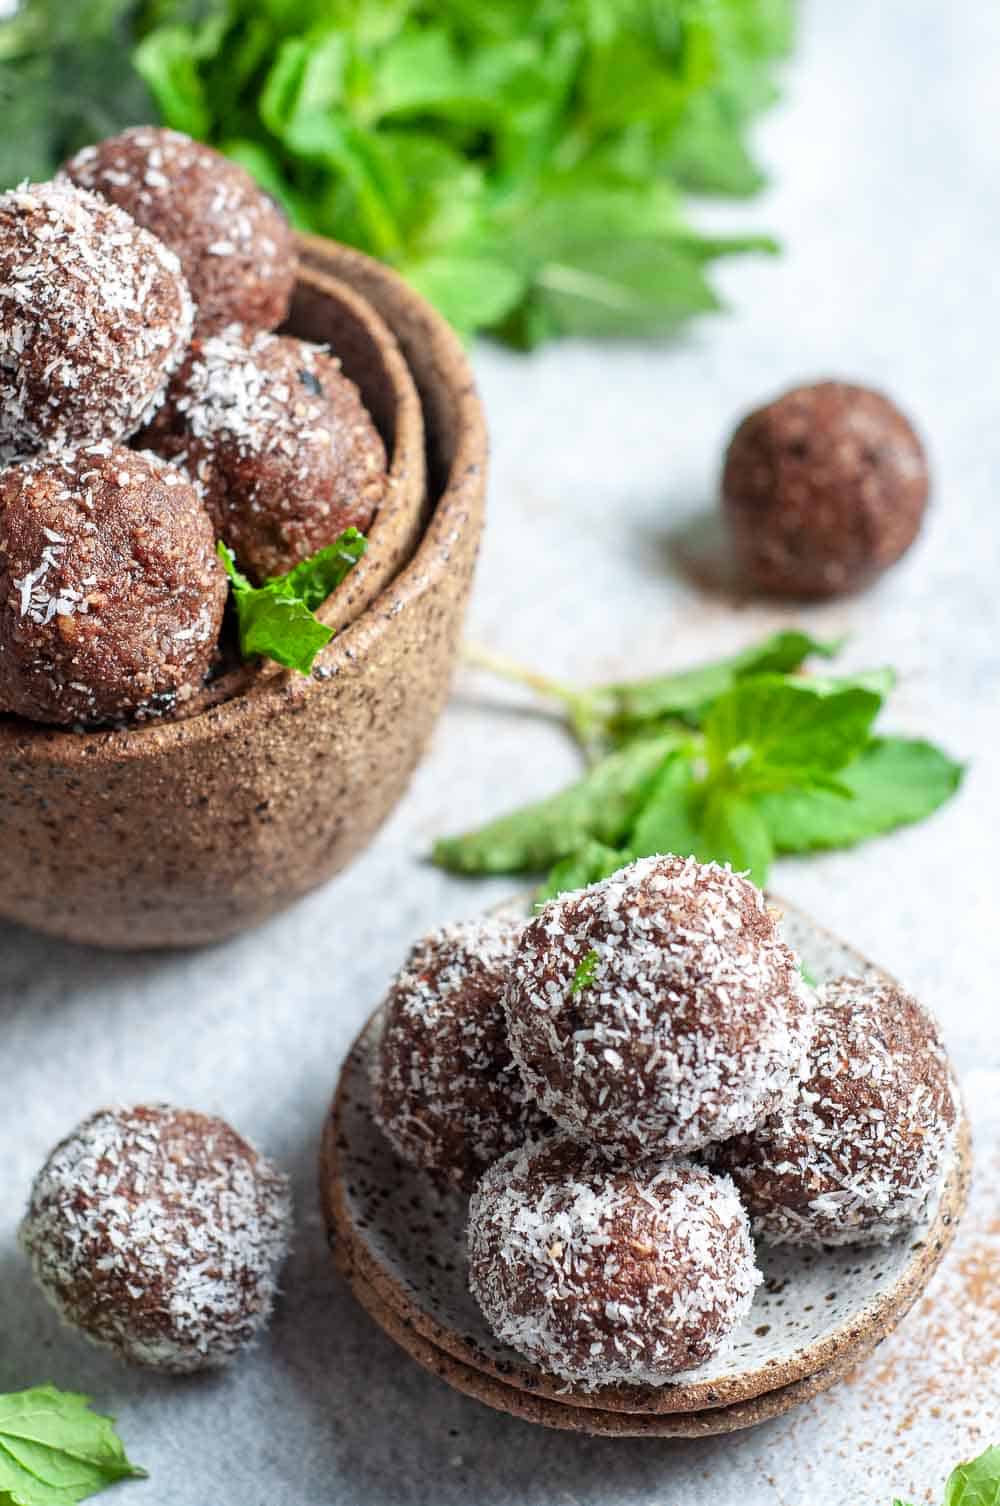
(94, 317)
(447, 1093)
(609, 1275)
(823, 489)
(278, 442)
(111, 594)
(659, 1009)
(234, 243)
(858, 1154)
(159, 1233)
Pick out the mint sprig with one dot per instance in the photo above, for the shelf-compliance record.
(278, 619)
(974, 1484)
(54, 1451)
(733, 762)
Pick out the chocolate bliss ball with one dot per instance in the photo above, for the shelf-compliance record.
(608, 1275)
(447, 1093)
(857, 1155)
(94, 318)
(159, 1233)
(823, 489)
(658, 1010)
(234, 244)
(111, 595)
(278, 442)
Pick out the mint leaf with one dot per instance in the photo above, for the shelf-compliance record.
(584, 975)
(670, 819)
(277, 620)
(770, 733)
(892, 782)
(977, 1483)
(588, 865)
(687, 692)
(54, 1451)
(599, 807)
(735, 832)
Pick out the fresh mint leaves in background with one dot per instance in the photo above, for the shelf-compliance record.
(54, 1451)
(524, 164)
(973, 1484)
(277, 620)
(733, 761)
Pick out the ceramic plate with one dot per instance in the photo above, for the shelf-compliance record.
(816, 1309)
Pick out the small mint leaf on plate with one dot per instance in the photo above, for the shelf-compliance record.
(54, 1451)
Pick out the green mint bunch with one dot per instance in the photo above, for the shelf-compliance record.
(735, 762)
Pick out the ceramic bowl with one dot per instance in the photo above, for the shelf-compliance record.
(403, 1244)
(189, 831)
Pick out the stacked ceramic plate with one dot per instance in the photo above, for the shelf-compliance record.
(401, 1243)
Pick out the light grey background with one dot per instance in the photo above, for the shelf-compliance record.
(886, 159)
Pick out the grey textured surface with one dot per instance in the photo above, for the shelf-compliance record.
(886, 156)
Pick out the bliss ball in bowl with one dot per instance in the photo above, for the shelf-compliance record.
(94, 317)
(858, 1154)
(447, 1093)
(658, 1010)
(159, 1233)
(234, 243)
(278, 442)
(823, 489)
(111, 594)
(605, 1274)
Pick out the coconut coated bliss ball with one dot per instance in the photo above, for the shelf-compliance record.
(606, 1275)
(858, 1154)
(659, 1010)
(824, 488)
(234, 244)
(94, 317)
(111, 595)
(278, 442)
(159, 1233)
(447, 1093)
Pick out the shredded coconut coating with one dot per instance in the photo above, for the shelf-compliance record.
(234, 243)
(693, 1026)
(159, 1233)
(859, 1154)
(446, 1091)
(111, 594)
(94, 317)
(278, 442)
(609, 1275)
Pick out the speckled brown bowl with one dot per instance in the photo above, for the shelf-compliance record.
(401, 1241)
(190, 831)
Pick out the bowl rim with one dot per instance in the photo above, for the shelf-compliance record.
(268, 693)
(875, 1319)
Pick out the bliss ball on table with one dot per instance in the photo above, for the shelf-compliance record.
(159, 1233)
(658, 1010)
(278, 442)
(447, 1093)
(609, 1275)
(857, 1156)
(823, 490)
(111, 594)
(94, 317)
(234, 243)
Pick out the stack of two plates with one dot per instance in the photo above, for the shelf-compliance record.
(401, 1245)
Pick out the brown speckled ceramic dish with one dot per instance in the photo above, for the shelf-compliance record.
(189, 831)
(404, 1242)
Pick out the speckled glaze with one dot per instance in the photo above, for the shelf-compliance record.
(190, 831)
(402, 1241)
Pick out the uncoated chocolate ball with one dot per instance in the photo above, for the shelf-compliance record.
(234, 244)
(605, 1274)
(111, 594)
(159, 1233)
(823, 489)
